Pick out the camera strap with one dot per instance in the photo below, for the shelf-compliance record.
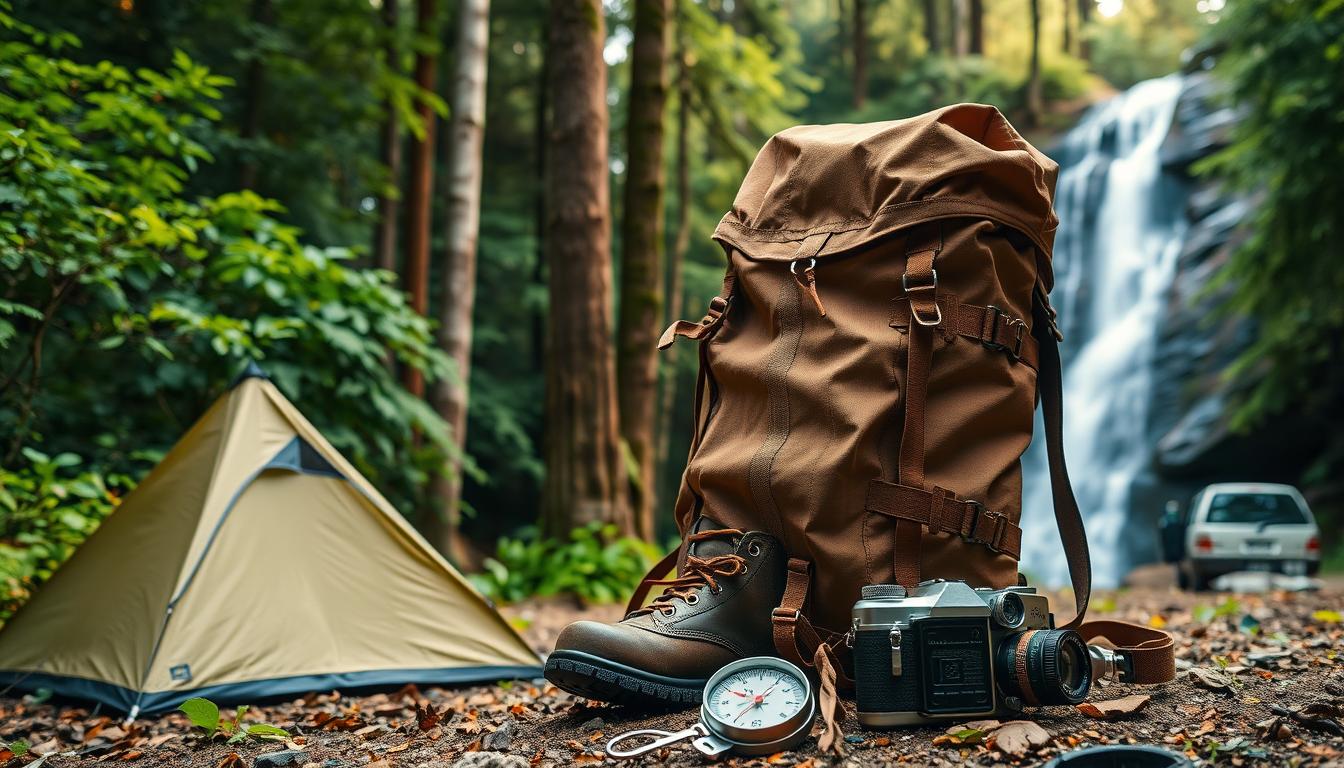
(1145, 656)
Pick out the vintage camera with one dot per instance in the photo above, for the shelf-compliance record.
(948, 651)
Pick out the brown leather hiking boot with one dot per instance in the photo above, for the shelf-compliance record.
(717, 610)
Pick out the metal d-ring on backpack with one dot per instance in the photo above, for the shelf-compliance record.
(870, 369)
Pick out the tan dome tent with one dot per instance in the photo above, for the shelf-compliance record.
(254, 561)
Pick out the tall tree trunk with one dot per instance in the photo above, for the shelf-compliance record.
(466, 140)
(931, 37)
(977, 25)
(254, 94)
(642, 255)
(860, 54)
(961, 27)
(420, 190)
(584, 477)
(680, 244)
(1068, 26)
(540, 139)
(1084, 18)
(1034, 106)
(385, 233)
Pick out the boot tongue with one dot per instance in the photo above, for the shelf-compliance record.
(707, 548)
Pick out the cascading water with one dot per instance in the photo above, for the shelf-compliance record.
(1121, 222)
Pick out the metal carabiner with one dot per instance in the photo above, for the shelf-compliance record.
(661, 739)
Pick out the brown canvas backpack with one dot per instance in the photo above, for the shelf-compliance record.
(870, 370)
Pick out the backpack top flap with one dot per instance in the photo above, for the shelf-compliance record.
(856, 183)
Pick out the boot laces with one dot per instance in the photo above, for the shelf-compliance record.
(698, 572)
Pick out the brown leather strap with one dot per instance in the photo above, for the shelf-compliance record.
(943, 512)
(1050, 385)
(795, 638)
(990, 326)
(1151, 653)
(920, 282)
(709, 324)
(660, 570)
(791, 627)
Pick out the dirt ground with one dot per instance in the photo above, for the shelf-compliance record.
(1261, 682)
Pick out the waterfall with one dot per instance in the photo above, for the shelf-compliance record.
(1121, 221)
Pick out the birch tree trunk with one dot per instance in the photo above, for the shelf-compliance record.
(642, 255)
(421, 187)
(389, 208)
(584, 477)
(466, 140)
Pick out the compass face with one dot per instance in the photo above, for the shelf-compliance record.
(760, 697)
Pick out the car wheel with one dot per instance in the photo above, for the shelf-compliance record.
(1182, 578)
(1199, 582)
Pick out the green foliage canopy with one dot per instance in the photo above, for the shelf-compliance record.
(125, 307)
(1284, 63)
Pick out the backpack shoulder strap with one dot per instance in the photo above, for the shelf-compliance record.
(1050, 385)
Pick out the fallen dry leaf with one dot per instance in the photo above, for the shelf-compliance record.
(231, 760)
(350, 722)
(427, 717)
(48, 746)
(974, 725)
(1018, 737)
(1108, 710)
(1212, 679)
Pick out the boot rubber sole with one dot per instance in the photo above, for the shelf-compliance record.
(600, 679)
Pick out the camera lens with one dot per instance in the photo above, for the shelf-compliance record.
(1007, 610)
(1044, 667)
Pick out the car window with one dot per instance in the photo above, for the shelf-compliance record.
(1255, 509)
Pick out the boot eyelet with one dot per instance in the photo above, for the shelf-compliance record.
(692, 599)
(754, 549)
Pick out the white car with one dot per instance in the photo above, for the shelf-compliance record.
(1244, 527)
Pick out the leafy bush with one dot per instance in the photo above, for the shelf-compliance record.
(595, 565)
(105, 267)
(46, 510)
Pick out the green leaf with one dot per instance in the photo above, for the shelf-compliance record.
(264, 731)
(72, 519)
(203, 713)
(19, 748)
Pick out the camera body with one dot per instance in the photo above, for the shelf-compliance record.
(945, 650)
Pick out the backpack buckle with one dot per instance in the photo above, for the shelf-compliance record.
(931, 286)
(993, 538)
(990, 336)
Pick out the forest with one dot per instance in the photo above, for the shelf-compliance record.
(453, 232)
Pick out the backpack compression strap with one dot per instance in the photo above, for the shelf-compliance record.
(920, 282)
